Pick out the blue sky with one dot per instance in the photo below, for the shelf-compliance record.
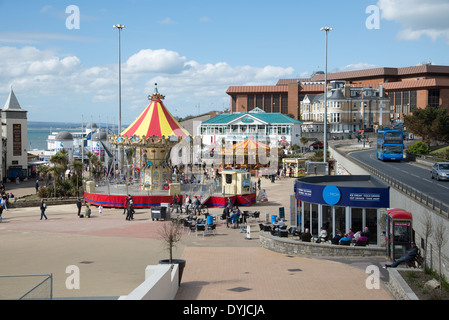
(196, 49)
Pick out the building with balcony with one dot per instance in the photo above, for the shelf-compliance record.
(349, 109)
(274, 129)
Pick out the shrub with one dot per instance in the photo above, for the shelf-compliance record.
(418, 147)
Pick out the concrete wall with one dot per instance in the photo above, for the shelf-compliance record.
(419, 211)
(295, 247)
(161, 283)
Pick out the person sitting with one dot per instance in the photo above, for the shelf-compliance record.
(322, 236)
(279, 223)
(345, 239)
(408, 257)
(351, 233)
(357, 235)
(234, 217)
(362, 238)
(336, 239)
(306, 236)
(367, 234)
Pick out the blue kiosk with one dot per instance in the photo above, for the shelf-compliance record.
(341, 204)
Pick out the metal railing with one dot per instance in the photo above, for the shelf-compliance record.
(24, 287)
(439, 207)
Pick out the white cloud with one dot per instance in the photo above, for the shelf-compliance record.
(168, 21)
(161, 60)
(205, 20)
(355, 66)
(418, 17)
(45, 75)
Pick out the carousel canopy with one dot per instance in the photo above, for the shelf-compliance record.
(250, 144)
(155, 120)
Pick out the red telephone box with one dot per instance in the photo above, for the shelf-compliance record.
(399, 232)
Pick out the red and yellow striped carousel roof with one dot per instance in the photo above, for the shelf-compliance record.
(155, 120)
(250, 144)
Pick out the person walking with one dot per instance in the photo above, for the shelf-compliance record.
(43, 208)
(37, 186)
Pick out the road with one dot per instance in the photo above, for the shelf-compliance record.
(410, 173)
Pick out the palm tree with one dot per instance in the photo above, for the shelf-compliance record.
(303, 141)
(78, 169)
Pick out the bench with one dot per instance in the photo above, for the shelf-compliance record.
(417, 262)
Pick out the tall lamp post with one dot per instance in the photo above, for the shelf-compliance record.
(119, 27)
(326, 29)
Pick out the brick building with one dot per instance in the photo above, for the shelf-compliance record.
(407, 88)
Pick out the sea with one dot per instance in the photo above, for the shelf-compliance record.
(37, 137)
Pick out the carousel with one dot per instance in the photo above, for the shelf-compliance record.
(147, 173)
(249, 154)
(146, 146)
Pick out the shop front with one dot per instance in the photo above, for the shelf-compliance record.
(340, 204)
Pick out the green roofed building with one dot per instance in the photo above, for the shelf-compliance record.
(273, 129)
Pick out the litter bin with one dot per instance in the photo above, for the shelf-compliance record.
(158, 213)
(209, 220)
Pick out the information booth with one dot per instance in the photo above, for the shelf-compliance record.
(399, 232)
(294, 167)
(236, 182)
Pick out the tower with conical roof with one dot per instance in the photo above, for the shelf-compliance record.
(14, 135)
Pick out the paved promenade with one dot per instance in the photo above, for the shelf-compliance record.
(112, 253)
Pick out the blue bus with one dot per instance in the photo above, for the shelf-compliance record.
(390, 144)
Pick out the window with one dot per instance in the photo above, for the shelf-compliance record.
(250, 103)
(335, 117)
(284, 103)
(276, 103)
(259, 101)
(405, 102)
(398, 99)
(434, 98)
(267, 103)
(234, 104)
(413, 100)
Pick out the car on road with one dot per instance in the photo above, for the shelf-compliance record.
(440, 171)
(317, 145)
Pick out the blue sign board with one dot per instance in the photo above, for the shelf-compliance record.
(363, 197)
(331, 195)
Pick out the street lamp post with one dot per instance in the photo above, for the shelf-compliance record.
(119, 27)
(326, 29)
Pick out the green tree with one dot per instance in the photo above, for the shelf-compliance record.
(303, 141)
(419, 147)
(430, 123)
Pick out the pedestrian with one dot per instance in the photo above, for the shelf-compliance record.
(258, 183)
(43, 207)
(79, 205)
(37, 186)
(100, 209)
(1, 212)
(130, 210)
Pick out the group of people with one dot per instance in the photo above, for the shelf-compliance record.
(189, 205)
(358, 237)
(338, 238)
(231, 213)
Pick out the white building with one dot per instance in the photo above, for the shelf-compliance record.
(273, 129)
(14, 138)
(349, 109)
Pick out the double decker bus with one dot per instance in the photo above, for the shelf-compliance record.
(390, 144)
